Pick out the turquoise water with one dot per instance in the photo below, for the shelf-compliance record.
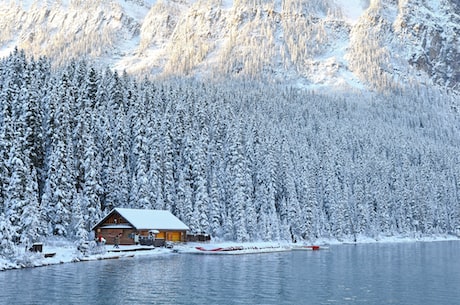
(400, 273)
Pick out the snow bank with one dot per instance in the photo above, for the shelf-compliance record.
(233, 248)
(67, 252)
(64, 251)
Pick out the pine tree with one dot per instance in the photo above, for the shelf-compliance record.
(310, 228)
(141, 195)
(7, 245)
(21, 191)
(201, 195)
(241, 182)
(215, 209)
(168, 168)
(292, 217)
(59, 186)
(92, 188)
(78, 224)
(265, 194)
(15, 201)
(155, 167)
(116, 144)
(32, 218)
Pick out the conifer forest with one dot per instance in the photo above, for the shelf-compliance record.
(240, 160)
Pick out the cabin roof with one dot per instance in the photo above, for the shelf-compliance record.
(142, 219)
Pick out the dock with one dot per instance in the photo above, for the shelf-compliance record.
(131, 249)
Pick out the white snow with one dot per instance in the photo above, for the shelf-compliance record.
(123, 48)
(152, 219)
(67, 252)
(227, 4)
(26, 4)
(352, 9)
(7, 49)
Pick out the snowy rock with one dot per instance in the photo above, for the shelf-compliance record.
(380, 44)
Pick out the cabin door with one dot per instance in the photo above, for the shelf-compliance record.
(173, 236)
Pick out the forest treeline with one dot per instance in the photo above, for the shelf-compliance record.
(240, 161)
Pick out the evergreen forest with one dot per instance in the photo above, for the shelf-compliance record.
(242, 161)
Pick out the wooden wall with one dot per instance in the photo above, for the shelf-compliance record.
(115, 218)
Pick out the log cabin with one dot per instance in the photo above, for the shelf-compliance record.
(147, 224)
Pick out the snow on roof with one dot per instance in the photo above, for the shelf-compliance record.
(118, 226)
(152, 219)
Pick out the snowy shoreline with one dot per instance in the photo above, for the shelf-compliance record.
(66, 252)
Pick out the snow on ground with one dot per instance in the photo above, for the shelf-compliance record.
(234, 248)
(66, 251)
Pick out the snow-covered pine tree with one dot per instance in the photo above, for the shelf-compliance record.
(265, 194)
(78, 225)
(91, 188)
(215, 209)
(169, 163)
(7, 245)
(32, 222)
(116, 142)
(238, 185)
(59, 186)
(200, 187)
(140, 194)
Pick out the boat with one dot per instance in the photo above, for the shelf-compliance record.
(104, 257)
(238, 250)
(310, 248)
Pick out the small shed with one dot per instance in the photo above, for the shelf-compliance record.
(146, 224)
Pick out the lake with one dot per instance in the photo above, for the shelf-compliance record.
(391, 273)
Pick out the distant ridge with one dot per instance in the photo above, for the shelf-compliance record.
(361, 44)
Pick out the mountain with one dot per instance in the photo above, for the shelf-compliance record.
(361, 44)
(247, 158)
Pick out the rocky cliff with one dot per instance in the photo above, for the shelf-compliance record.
(360, 44)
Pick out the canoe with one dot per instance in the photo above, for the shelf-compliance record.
(237, 250)
(219, 249)
(310, 248)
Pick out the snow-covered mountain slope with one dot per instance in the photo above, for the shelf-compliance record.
(347, 43)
